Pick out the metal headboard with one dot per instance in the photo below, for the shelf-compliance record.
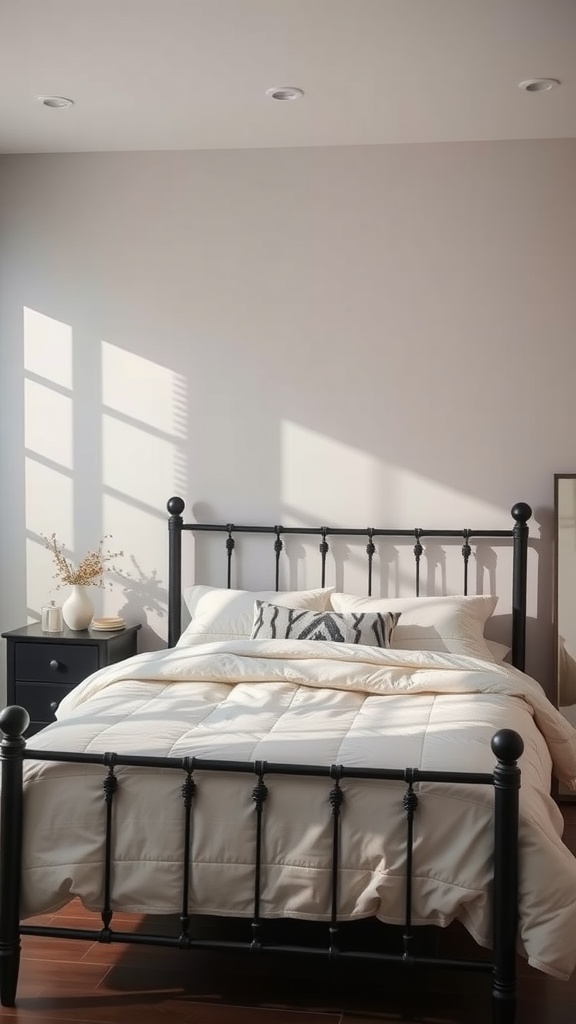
(518, 534)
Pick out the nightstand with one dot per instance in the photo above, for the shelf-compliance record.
(44, 667)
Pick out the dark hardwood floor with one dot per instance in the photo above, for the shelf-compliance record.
(88, 983)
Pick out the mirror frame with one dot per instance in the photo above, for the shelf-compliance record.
(562, 793)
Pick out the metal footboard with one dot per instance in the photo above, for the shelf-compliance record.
(506, 745)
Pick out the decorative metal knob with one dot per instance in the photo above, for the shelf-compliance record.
(54, 706)
(54, 665)
(14, 721)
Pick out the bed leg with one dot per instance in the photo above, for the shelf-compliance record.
(13, 723)
(9, 969)
(507, 745)
(503, 1010)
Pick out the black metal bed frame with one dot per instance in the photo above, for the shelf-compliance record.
(518, 535)
(506, 745)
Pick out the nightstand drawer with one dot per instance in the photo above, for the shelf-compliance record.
(65, 663)
(38, 698)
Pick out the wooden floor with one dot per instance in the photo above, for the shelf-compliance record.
(73, 981)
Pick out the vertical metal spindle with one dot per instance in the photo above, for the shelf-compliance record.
(278, 545)
(410, 802)
(323, 548)
(110, 786)
(188, 792)
(336, 800)
(229, 549)
(466, 552)
(259, 794)
(370, 549)
(417, 556)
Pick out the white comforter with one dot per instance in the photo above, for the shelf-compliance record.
(314, 703)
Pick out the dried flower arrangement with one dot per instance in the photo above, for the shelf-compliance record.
(90, 569)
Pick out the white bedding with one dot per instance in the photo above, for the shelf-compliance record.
(314, 703)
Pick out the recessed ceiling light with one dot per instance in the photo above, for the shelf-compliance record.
(285, 92)
(55, 101)
(539, 84)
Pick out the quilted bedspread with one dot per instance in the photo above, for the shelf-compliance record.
(311, 703)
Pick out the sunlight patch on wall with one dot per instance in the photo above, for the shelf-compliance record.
(137, 463)
(436, 505)
(427, 503)
(105, 434)
(142, 390)
(47, 347)
(323, 480)
(143, 446)
(48, 423)
(141, 589)
(329, 483)
(49, 501)
(144, 427)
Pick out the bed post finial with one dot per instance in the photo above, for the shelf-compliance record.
(14, 721)
(507, 745)
(521, 513)
(175, 507)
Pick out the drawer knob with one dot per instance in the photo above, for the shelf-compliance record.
(54, 665)
(54, 706)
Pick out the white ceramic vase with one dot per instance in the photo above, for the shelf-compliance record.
(78, 610)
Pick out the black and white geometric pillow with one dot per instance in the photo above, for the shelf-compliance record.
(274, 622)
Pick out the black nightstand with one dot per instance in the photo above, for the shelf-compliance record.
(44, 667)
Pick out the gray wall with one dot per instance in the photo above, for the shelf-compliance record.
(364, 336)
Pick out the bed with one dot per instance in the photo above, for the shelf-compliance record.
(250, 772)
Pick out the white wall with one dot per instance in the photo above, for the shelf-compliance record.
(360, 336)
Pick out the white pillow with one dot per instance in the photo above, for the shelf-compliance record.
(454, 625)
(498, 651)
(221, 614)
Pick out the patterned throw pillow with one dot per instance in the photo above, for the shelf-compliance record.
(274, 622)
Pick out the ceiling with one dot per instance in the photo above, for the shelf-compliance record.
(193, 74)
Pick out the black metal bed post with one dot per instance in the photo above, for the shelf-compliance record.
(13, 722)
(507, 745)
(521, 512)
(175, 507)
